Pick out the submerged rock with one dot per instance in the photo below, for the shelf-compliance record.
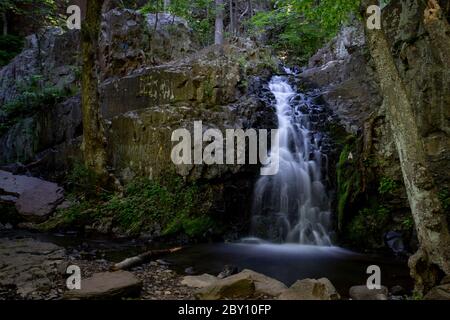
(311, 289)
(107, 285)
(227, 271)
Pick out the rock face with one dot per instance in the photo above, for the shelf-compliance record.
(246, 284)
(35, 199)
(130, 40)
(107, 286)
(57, 52)
(311, 289)
(29, 266)
(46, 139)
(364, 293)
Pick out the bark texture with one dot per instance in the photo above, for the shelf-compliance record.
(93, 131)
(432, 259)
(218, 34)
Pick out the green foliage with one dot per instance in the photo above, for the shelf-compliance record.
(300, 27)
(38, 13)
(198, 13)
(387, 186)
(169, 202)
(348, 181)
(82, 181)
(407, 223)
(368, 225)
(10, 46)
(34, 96)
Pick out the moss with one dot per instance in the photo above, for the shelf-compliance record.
(348, 180)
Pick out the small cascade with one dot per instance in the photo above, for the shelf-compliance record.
(293, 205)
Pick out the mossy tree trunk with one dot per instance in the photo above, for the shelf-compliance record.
(432, 259)
(93, 131)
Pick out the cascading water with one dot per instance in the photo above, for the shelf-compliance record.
(293, 205)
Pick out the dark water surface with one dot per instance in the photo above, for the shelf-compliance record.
(291, 262)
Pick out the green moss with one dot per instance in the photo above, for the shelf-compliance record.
(348, 180)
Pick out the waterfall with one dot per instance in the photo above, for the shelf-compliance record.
(293, 205)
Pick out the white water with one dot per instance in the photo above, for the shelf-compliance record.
(293, 206)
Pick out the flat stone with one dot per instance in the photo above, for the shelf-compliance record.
(311, 289)
(364, 293)
(29, 265)
(201, 281)
(107, 285)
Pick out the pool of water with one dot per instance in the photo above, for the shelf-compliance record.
(291, 262)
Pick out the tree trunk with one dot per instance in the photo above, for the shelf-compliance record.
(166, 5)
(5, 24)
(432, 259)
(218, 34)
(93, 131)
(142, 258)
(232, 19)
(439, 31)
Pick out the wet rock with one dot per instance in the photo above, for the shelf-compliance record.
(245, 284)
(36, 198)
(201, 281)
(397, 291)
(107, 285)
(394, 241)
(364, 293)
(227, 271)
(29, 266)
(189, 271)
(311, 289)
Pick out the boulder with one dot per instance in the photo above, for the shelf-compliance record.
(228, 288)
(201, 281)
(311, 289)
(246, 284)
(107, 285)
(441, 292)
(364, 293)
(36, 198)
